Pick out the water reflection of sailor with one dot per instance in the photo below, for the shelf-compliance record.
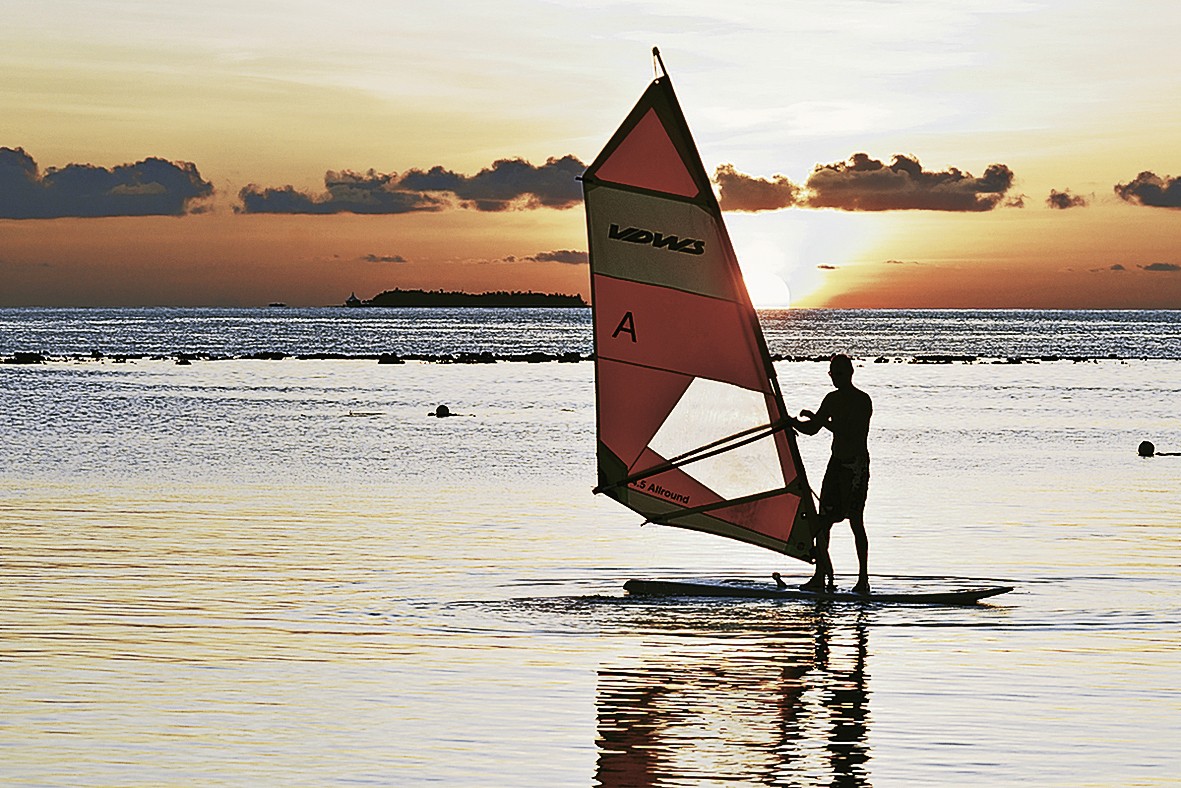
(702, 715)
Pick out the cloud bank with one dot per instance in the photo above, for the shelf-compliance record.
(152, 187)
(1151, 190)
(741, 192)
(564, 256)
(865, 184)
(570, 256)
(1062, 200)
(509, 184)
(1166, 268)
(347, 192)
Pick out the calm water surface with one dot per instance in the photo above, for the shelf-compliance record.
(250, 572)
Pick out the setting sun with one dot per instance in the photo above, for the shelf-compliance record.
(767, 290)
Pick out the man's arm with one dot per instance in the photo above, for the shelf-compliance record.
(815, 422)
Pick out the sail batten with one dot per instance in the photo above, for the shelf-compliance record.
(668, 287)
(690, 416)
(703, 452)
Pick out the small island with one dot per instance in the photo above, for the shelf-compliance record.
(450, 298)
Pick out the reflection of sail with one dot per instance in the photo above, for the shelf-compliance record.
(788, 708)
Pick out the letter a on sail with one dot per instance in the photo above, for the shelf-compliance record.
(691, 423)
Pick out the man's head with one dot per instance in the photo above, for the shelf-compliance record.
(840, 368)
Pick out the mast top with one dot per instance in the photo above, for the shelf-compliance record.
(656, 61)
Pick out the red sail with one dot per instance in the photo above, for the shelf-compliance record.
(690, 417)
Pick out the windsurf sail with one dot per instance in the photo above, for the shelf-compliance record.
(691, 424)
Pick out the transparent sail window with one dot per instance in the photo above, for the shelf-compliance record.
(710, 410)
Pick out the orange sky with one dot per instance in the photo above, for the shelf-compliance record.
(274, 95)
(251, 260)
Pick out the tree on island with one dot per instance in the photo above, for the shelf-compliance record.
(447, 298)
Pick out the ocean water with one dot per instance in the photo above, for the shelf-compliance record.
(251, 572)
(438, 332)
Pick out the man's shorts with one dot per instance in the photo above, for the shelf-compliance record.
(842, 495)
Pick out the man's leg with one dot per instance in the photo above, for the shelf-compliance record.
(857, 523)
(823, 562)
(830, 512)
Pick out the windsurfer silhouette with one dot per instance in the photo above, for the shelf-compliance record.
(845, 413)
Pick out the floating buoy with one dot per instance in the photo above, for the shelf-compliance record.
(1146, 449)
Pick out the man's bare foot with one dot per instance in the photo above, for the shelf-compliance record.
(778, 578)
(815, 584)
(862, 587)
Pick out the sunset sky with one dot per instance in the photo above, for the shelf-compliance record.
(869, 154)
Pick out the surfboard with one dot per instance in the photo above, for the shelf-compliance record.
(746, 589)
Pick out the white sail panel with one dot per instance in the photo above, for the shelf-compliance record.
(709, 411)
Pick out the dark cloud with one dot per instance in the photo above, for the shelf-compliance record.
(1161, 267)
(1062, 200)
(1118, 267)
(1016, 201)
(384, 258)
(509, 184)
(901, 262)
(741, 192)
(1152, 190)
(347, 192)
(571, 256)
(826, 267)
(152, 187)
(865, 184)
